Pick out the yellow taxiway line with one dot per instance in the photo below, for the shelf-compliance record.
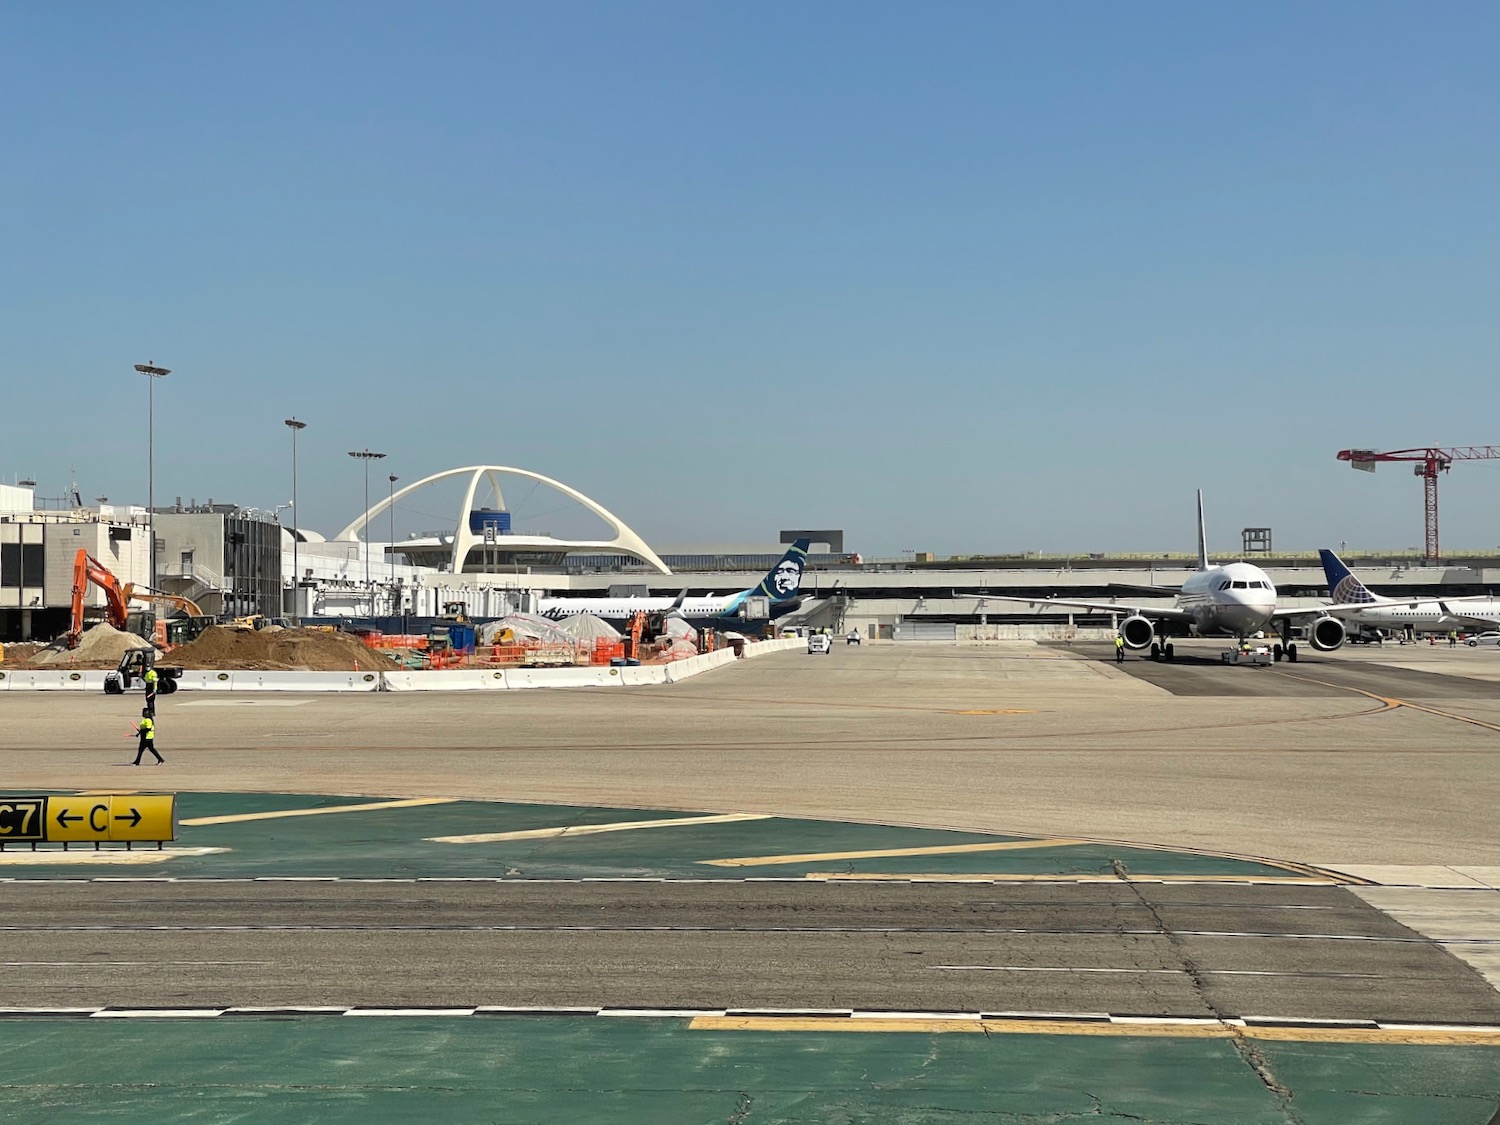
(1185, 1029)
(238, 818)
(594, 829)
(887, 853)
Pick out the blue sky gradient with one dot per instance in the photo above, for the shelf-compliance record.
(958, 277)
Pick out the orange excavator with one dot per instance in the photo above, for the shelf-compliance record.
(88, 569)
(117, 597)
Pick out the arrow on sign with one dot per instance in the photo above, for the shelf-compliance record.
(133, 819)
(63, 818)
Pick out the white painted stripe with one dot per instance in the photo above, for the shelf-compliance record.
(372, 806)
(892, 853)
(410, 1012)
(594, 829)
(662, 1013)
(113, 856)
(158, 1014)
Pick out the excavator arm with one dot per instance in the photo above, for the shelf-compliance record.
(88, 569)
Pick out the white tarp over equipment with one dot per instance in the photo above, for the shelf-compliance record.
(587, 627)
(523, 628)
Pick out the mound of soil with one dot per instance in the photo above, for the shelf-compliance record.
(99, 647)
(284, 650)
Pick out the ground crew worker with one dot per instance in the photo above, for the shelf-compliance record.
(1452, 638)
(147, 733)
(1119, 649)
(150, 678)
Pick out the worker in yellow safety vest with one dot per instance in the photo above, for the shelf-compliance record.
(147, 733)
(150, 679)
(1119, 649)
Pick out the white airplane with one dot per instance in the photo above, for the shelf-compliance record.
(1236, 600)
(782, 586)
(1356, 604)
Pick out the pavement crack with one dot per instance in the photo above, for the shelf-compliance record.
(1244, 1047)
(742, 1110)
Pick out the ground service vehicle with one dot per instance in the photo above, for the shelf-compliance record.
(133, 666)
(820, 642)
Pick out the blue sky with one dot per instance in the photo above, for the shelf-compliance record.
(953, 277)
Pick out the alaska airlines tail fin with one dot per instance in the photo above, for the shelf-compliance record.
(1343, 587)
(1202, 536)
(784, 582)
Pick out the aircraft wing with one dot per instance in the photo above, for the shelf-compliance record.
(1309, 611)
(1127, 608)
(1484, 622)
(1159, 591)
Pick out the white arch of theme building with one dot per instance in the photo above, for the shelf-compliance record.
(625, 541)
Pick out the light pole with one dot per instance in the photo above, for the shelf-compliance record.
(366, 456)
(294, 425)
(21, 554)
(391, 553)
(152, 373)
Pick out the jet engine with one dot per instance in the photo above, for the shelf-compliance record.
(1327, 634)
(1137, 631)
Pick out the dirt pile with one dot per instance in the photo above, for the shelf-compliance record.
(100, 647)
(284, 650)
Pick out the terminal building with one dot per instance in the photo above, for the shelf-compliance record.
(239, 562)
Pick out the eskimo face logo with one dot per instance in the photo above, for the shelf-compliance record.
(1350, 590)
(786, 579)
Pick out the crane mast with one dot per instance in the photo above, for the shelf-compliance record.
(1428, 462)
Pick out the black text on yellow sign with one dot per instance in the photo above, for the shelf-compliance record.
(98, 819)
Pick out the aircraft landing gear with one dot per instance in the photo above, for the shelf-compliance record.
(1160, 651)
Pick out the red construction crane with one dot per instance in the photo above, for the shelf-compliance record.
(1429, 463)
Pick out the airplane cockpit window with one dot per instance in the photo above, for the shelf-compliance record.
(1224, 585)
(1240, 585)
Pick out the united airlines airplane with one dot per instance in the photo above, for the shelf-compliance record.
(782, 585)
(1234, 600)
(1356, 604)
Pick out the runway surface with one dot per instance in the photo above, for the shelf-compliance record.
(1218, 952)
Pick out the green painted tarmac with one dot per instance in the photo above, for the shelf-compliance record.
(366, 1071)
(384, 843)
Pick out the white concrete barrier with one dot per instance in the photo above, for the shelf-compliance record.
(304, 681)
(205, 681)
(456, 679)
(645, 675)
(563, 677)
(53, 679)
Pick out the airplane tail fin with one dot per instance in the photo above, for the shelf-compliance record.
(1343, 587)
(784, 582)
(1202, 536)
